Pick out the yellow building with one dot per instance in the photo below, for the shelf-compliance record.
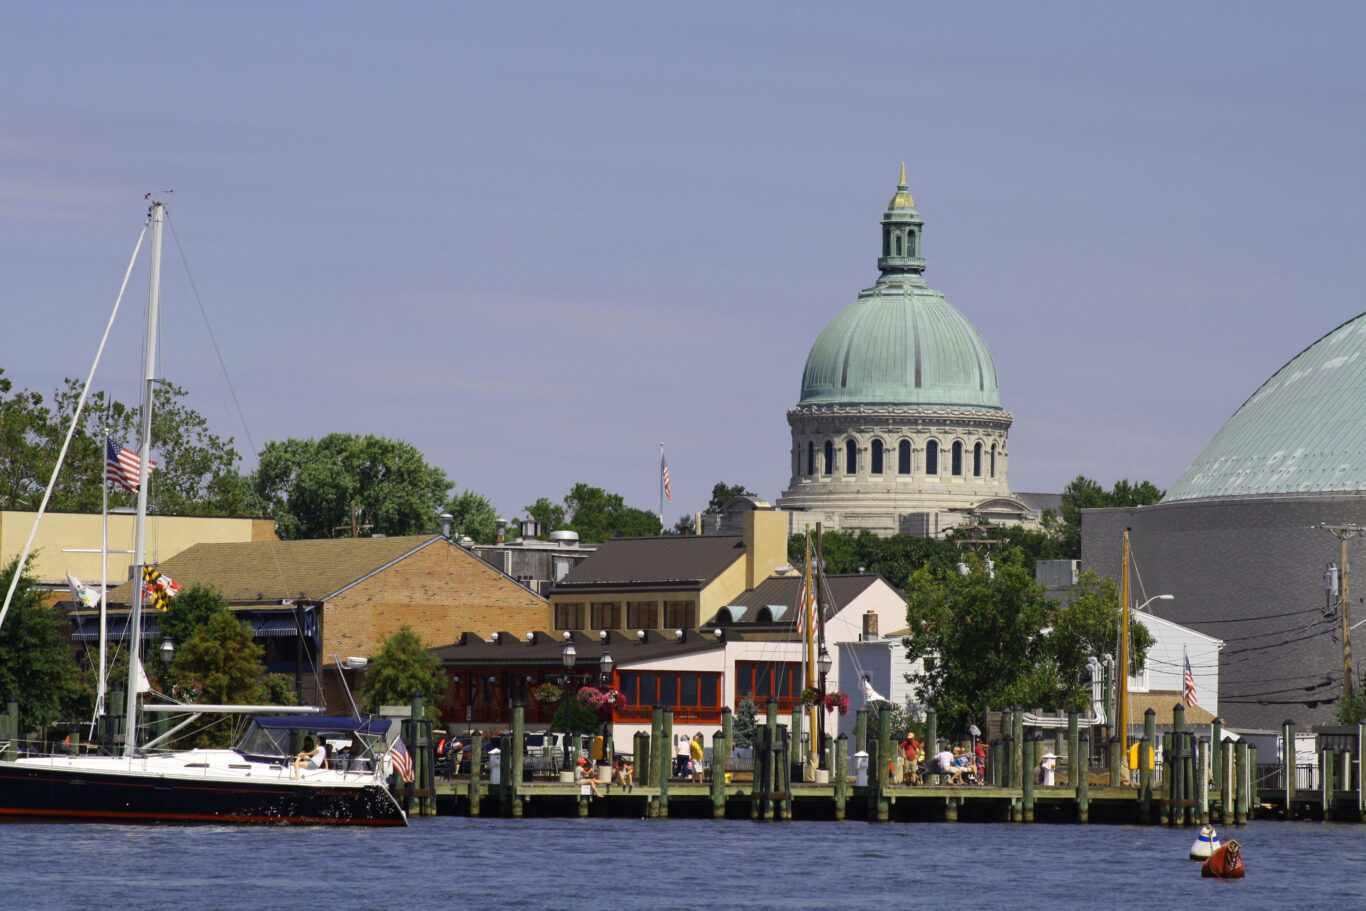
(69, 542)
(670, 581)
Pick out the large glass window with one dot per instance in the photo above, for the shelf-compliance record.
(675, 689)
(977, 461)
(568, 616)
(877, 457)
(932, 457)
(850, 457)
(810, 457)
(903, 457)
(829, 465)
(957, 459)
(680, 614)
(759, 681)
(642, 615)
(605, 615)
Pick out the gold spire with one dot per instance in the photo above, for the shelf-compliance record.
(902, 199)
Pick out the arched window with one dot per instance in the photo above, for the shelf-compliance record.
(932, 457)
(898, 245)
(810, 457)
(910, 243)
(829, 465)
(993, 460)
(877, 457)
(903, 457)
(850, 457)
(957, 459)
(886, 242)
(977, 461)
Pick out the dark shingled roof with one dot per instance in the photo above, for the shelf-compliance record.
(271, 571)
(685, 562)
(782, 592)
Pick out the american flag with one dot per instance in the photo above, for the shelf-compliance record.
(1188, 691)
(401, 759)
(121, 465)
(664, 470)
(803, 608)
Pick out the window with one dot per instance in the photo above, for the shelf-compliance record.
(910, 244)
(605, 615)
(675, 689)
(898, 245)
(680, 614)
(977, 461)
(762, 680)
(829, 465)
(642, 614)
(993, 460)
(957, 459)
(568, 616)
(932, 457)
(886, 242)
(877, 457)
(850, 457)
(810, 458)
(903, 457)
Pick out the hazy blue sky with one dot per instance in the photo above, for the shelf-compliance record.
(536, 240)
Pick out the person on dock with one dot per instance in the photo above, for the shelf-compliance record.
(696, 753)
(980, 751)
(624, 773)
(588, 782)
(910, 754)
(943, 762)
(683, 757)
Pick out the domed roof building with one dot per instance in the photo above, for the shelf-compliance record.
(900, 428)
(1245, 538)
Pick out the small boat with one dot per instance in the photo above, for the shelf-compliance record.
(1206, 843)
(1224, 863)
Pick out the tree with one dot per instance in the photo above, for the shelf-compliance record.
(686, 525)
(25, 447)
(322, 488)
(595, 514)
(745, 725)
(402, 666)
(218, 663)
(189, 611)
(473, 515)
(722, 493)
(979, 636)
(37, 663)
(1083, 493)
(895, 558)
(1089, 627)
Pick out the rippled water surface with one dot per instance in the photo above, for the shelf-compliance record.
(454, 862)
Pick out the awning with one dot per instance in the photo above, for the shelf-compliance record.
(262, 627)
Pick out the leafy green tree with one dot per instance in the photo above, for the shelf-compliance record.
(895, 557)
(598, 515)
(403, 665)
(745, 725)
(549, 515)
(25, 446)
(686, 525)
(218, 663)
(37, 663)
(473, 515)
(1084, 493)
(321, 488)
(189, 611)
(1086, 627)
(980, 636)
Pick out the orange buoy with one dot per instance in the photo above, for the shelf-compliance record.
(1224, 863)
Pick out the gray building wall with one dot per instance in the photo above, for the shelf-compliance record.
(1250, 572)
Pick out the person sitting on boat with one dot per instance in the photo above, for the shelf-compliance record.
(312, 756)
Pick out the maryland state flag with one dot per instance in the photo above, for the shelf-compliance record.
(158, 589)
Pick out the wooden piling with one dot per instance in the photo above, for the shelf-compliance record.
(840, 774)
(884, 753)
(659, 761)
(1326, 783)
(1288, 765)
(1117, 761)
(1227, 788)
(931, 740)
(666, 755)
(1084, 777)
(1179, 778)
(518, 760)
(1168, 776)
(718, 775)
(1202, 770)
(476, 769)
(798, 755)
(728, 736)
(1245, 778)
(1145, 781)
(1216, 739)
(1073, 747)
(1027, 788)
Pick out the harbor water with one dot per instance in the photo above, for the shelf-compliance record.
(456, 862)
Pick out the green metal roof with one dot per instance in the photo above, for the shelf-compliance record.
(1301, 432)
(900, 342)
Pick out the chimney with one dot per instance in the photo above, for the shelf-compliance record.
(446, 519)
(502, 525)
(870, 626)
(697, 523)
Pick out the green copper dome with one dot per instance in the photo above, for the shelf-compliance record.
(1301, 432)
(900, 342)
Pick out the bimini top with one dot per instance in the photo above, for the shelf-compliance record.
(900, 342)
(1303, 431)
(323, 723)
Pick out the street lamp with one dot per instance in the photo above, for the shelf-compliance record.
(823, 665)
(568, 655)
(605, 666)
(167, 651)
(1122, 709)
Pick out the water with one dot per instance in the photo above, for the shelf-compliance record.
(451, 862)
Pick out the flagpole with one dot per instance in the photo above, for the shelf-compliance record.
(104, 587)
(661, 487)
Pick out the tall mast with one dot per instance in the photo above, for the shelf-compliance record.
(1122, 679)
(149, 363)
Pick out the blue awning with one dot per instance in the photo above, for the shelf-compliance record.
(262, 627)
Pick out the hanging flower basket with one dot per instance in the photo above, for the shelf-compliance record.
(837, 702)
(812, 696)
(588, 696)
(547, 692)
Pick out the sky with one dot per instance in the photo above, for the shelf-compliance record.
(537, 240)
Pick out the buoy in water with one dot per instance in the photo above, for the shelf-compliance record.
(1206, 843)
(1225, 862)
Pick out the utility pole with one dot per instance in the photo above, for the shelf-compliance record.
(1343, 532)
(354, 526)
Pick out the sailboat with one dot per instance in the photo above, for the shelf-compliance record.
(258, 781)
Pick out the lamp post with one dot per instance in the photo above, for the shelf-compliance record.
(823, 665)
(605, 667)
(167, 656)
(568, 655)
(1122, 708)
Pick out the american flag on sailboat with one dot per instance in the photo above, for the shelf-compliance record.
(121, 465)
(402, 760)
(1188, 690)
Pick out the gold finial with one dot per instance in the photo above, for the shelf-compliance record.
(902, 181)
(901, 199)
